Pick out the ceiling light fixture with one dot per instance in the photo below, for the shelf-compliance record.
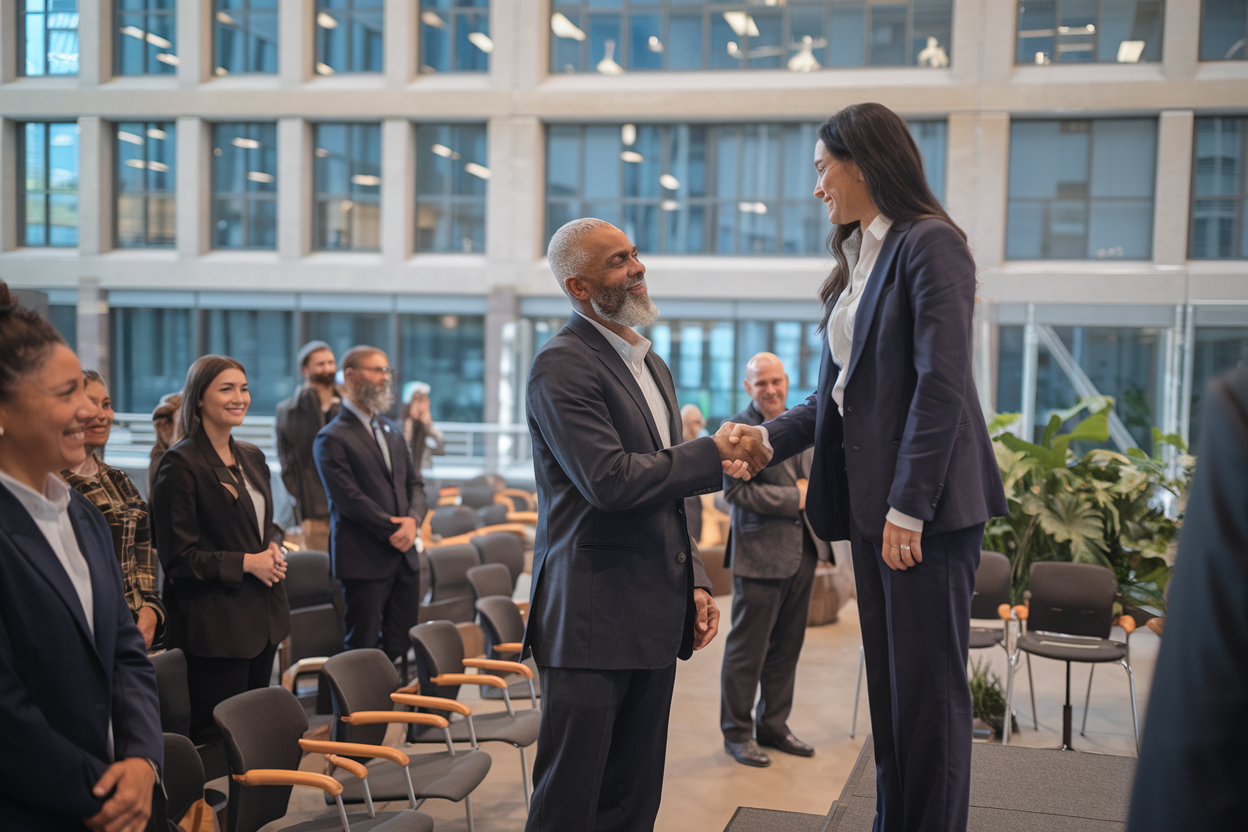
(430, 18)
(122, 135)
(245, 144)
(479, 171)
(444, 151)
(1129, 51)
(482, 41)
(741, 23)
(632, 156)
(260, 176)
(564, 28)
(628, 134)
(670, 182)
(326, 21)
(365, 180)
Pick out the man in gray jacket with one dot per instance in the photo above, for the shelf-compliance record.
(773, 553)
(299, 417)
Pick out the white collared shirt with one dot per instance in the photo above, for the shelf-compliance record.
(634, 356)
(862, 249)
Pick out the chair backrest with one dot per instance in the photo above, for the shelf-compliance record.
(502, 547)
(492, 515)
(500, 621)
(1072, 598)
(517, 500)
(183, 776)
(360, 680)
(992, 585)
(476, 496)
(448, 570)
(261, 729)
(173, 692)
(316, 623)
(489, 579)
(449, 521)
(439, 649)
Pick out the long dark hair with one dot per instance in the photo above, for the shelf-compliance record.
(198, 377)
(879, 142)
(26, 341)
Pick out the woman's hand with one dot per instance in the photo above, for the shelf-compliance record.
(902, 547)
(269, 566)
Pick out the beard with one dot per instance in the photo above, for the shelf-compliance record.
(619, 306)
(326, 379)
(375, 398)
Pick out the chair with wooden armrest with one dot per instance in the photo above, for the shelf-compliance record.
(517, 499)
(501, 547)
(263, 730)
(362, 681)
(492, 515)
(183, 778)
(449, 521)
(503, 627)
(317, 630)
(517, 529)
(450, 593)
(442, 670)
(488, 579)
(448, 495)
(477, 495)
(174, 694)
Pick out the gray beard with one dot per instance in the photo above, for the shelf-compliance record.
(375, 398)
(620, 307)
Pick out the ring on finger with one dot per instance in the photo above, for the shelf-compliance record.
(907, 548)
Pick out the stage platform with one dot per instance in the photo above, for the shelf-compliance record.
(1020, 789)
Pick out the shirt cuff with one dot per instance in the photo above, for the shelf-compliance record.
(907, 522)
(766, 440)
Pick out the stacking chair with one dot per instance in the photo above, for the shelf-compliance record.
(477, 495)
(504, 548)
(316, 623)
(263, 730)
(516, 499)
(492, 515)
(363, 682)
(441, 669)
(504, 633)
(488, 579)
(183, 778)
(450, 521)
(1069, 619)
(174, 695)
(450, 593)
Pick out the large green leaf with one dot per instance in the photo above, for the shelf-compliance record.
(1073, 519)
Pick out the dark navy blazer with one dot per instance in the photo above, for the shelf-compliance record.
(60, 686)
(913, 436)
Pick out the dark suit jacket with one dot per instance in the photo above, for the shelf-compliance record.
(363, 496)
(614, 568)
(299, 418)
(1191, 769)
(61, 686)
(767, 526)
(202, 531)
(913, 436)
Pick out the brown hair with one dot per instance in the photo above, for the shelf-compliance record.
(26, 341)
(355, 356)
(878, 141)
(201, 374)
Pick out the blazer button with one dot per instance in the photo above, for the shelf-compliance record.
(680, 558)
(848, 409)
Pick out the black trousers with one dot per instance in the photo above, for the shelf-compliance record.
(214, 680)
(915, 634)
(600, 750)
(761, 652)
(383, 609)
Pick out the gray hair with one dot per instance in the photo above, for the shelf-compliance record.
(566, 256)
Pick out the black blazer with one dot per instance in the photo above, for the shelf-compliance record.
(913, 436)
(363, 496)
(614, 568)
(202, 531)
(60, 684)
(298, 420)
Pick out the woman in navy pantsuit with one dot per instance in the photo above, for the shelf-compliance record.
(903, 468)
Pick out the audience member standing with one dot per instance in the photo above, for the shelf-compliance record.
(112, 492)
(422, 436)
(299, 418)
(376, 504)
(165, 421)
(773, 553)
(691, 423)
(78, 699)
(212, 510)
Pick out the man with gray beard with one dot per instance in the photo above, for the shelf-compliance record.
(376, 504)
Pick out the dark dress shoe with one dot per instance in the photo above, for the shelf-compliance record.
(790, 745)
(747, 753)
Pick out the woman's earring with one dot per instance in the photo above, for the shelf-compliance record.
(1, 431)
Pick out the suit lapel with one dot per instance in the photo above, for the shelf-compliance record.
(871, 296)
(226, 478)
(668, 388)
(613, 362)
(105, 635)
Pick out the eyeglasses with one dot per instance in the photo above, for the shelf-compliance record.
(385, 371)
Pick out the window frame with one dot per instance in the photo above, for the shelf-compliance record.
(245, 15)
(448, 200)
(1240, 239)
(1201, 39)
(249, 197)
(345, 16)
(19, 36)
(320, 197)
(1096, 37)
(456, 16)
(46, 191)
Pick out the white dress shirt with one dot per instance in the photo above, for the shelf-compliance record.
(634, 356)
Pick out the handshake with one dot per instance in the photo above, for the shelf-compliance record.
(741, 450)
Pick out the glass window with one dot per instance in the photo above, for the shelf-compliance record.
(1216, 350)
(151, 350)
(1088, 31)
(702, 189)
(49, 41)
(451, 177)
(344, 330)
(244, 185)
(261, 341)
(1220, 189)
(616, 36)
(65, 318)
(347, 176)
(1224, 31)
(245, 36)
(349, 36)
(1081, 189)
(455, 36)
(48, 160)
(447, 352)
(146, 37)
(146, 175)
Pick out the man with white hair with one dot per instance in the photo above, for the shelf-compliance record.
(619, 592)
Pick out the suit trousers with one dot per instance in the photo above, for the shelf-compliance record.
(761, 652)
(601, 749)
(380, 612)
(915, 637)
(214, 680)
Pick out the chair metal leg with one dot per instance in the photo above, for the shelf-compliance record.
(342, 813)
(1035, 720)
(1135, 720)
(853, 720)
(1066, 743)
(524, 776)
(1083, 731)
(368, 799)
(1009, 696)
(468, 812)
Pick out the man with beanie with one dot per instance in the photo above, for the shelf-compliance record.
(299, 418)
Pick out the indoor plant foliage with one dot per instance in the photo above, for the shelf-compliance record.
(1118, 510)
(987, 698)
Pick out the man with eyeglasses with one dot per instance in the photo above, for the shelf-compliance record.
(376, 504)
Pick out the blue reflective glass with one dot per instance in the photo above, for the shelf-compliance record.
(1220, 188)
(245, 36)
(1224, 30)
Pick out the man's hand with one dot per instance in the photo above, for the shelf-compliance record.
(131, 804)
(902, 548)
(707, 624)
(406, 535)
(147, 625)
(801, 494)
(741, 449)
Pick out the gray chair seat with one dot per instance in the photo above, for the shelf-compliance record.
(520, 731)
(433, 775)
(405, 821)
(1072, 648)
(982, 637)
(518, 689)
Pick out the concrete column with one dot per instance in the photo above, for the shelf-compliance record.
(1180, 39)
(194, 196)
(992, 63)
(401, 24)
(9, 208)
(294, 188)
(514, 211)
(501, 312)
(8, 41)
(95, 52)
(520, 30)
(398, 189)
(296, 40)
(93, 325)
(95, 191)
(194, 42)
(977, 178)
(1172, 197)
(967, 42)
